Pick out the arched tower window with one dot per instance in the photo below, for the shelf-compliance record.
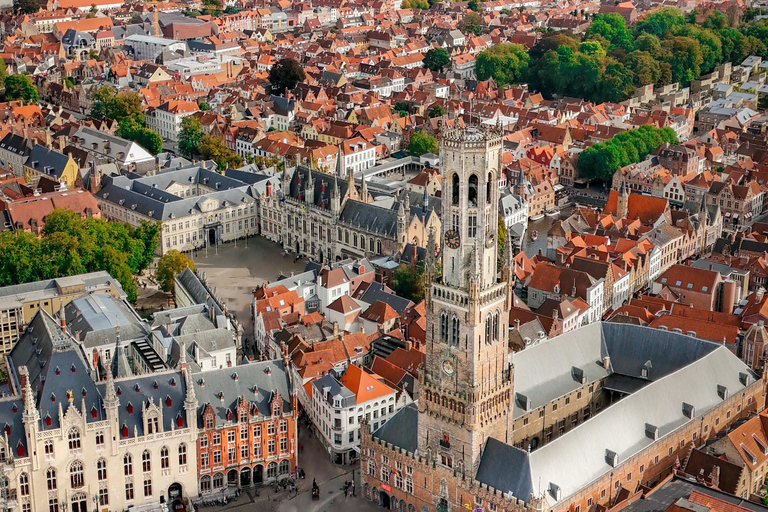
(455, 189)
(455, 331)
(128, 464)
(472, 192)
(489, 190)
(496, 333)
(488, 327)
(443, 326)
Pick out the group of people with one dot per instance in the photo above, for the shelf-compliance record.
(349, 488)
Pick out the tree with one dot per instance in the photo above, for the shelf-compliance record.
(401, 107)
(231, 9)
(613, 29)
(473, 6)
(190, 136)
(26, 6)
(407, 282)
(506, 63)
(436, 111)
(660, 21)
(3, 73)
(285, 74)
(436, 59)
(203, 106)
(645, 68)
(135, 128)
(93, 54)
(110, 104)
(92, 12)
(213, 148)
(684, 56)
(471, 24)
(20, 87)
(170, 265)
(421, 143)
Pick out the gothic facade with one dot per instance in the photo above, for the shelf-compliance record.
(324, 219)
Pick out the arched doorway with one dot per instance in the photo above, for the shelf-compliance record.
(79, 502)
(212, 236)
(258, 474)
(232, 477)
(383, 499)
(245, 477)
(174, 491)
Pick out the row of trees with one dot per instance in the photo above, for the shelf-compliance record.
(612, 59)
(70, 245)
(126, 108)
(193, 141)
(601, 160)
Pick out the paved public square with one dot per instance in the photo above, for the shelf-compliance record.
(235, 270)
(330, 478)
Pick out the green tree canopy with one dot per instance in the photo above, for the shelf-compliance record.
(601, 160)
(612, 28)
(71, 245)
(407, 282)
(436, 111)
(214, 148)
(471, 24)
(422, 143)
(473, 5)
(436, 59)
(20, 87)
(285, 75)
(506, 63)
(660, 21)
(26, 6)
(190, 136)
(170, 265)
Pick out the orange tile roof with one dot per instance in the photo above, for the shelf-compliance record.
(364, 386)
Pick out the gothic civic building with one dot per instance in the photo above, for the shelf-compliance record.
(564, 425)
(323, 218)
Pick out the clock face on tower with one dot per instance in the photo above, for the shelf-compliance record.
(448, 367)
(452, 239)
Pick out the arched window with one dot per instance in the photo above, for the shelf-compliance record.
(182, 454)
(128, 464)
(488, 188)
(362, 242)
(146, 461)
(443, 326)
(76, 474)
(455, 189)
(164, 459)
(205, 483)
(455, 331)
(488, 327)
(339, 234)
(284, 468)
(50, 477)
(24, 484)
(378, 246)
(272, 470)
(74, 439)
(218, 481)
(496, 333)
(472, 191)
(346, 236)
(101, 469)
(354, 239)
(371, 245)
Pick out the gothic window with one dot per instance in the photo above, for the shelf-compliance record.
(24, 484)
(127, 464)
(76, 474)
(371, 245)
(488, 188)
(443, 327)
(455, 331)
(354, 239)
(74, 439)
(49, 448)
(496, 333)
(488, 326)
(101, 469)
(50, 477)
(146, 461)
(346, 236)
(472, 191)
(362, 242)
(182, 454)
(164, 459)
(455, 189)
(472, 226)
(378, 247)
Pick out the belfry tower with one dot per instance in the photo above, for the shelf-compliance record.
(467, 386)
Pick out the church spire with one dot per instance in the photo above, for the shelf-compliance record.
(364, 191)
(111, 393)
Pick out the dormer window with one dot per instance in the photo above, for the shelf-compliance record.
(130, 408)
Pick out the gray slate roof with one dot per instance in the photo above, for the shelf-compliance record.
(98, 317)
(256, 383)
(402, 429)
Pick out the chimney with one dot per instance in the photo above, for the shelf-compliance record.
(335, 328)
(517, 324)
(715, 477)
(606, 362)
(23, 377)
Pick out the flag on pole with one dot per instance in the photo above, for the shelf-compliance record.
(677, 463)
